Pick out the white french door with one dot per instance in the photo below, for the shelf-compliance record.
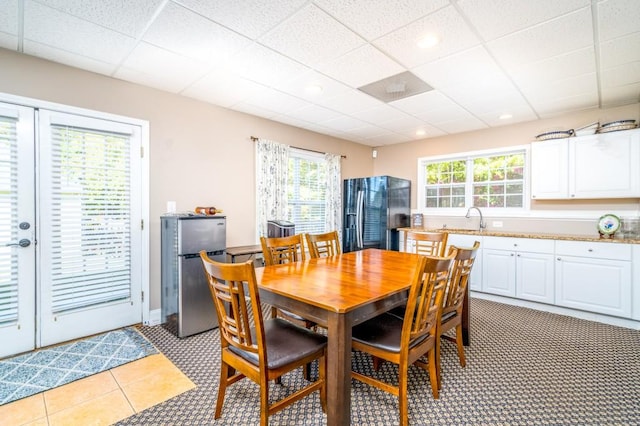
(70, 227)
(90, 226)
(17, 230)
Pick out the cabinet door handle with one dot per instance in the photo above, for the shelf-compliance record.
(590, 250)
(559, 258)
(511, 254)
(518, 255)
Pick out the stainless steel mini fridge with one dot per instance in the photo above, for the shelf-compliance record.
(187, 307)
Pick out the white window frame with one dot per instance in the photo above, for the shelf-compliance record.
(470, 155)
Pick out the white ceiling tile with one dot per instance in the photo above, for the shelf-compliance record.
(423, 102)
(8, 41)
(48, 26)
(429, 132)
(559, 67)
(557, 106)
(298, 86)
(145, 59)
(253, 110)
(388, 139)
(380, 114)
(344, 123)
(314, 114)
(264, 65)
(311, 36)
(57, 55)
(455, 35)
(222, 89)
(276, 101)
(497, 18)
(460, 126)
(189, 34)
(374, 18)
(558, 36)
(620, 95)
(125, 16)
(519, 113)
(617, 18)
(9, 17)
(361, 66)
(620, 50)
(621, 75)
(506, 102)
(402, 124)
(369, 131)
(292, 121)
(560, 89)
(249, 17)
(350, 102)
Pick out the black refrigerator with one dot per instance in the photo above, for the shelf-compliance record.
(374, 208)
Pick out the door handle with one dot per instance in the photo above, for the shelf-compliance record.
(22, 243)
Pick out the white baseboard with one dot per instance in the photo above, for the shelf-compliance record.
(154, 317)
(590, 316)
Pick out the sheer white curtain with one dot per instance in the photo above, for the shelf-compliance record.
(333, 194)
(272, 166)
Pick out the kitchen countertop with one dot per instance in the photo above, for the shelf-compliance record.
(522, 234)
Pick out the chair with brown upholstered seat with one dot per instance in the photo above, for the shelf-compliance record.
(326, 244)
(404, 341)
(264, 351)
(454, 298)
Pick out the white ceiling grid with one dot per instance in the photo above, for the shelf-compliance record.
(529, 59)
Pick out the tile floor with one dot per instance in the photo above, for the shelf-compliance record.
(101, 399)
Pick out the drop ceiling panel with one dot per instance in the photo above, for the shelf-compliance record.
(9, 17)
(407, 124)
(311, 36)
(184, 32)
(252, 18)
(556, 106)
(50, 27)
(617, 18)
(454, 34)
(253, 110)
(621, 95)
(361, 66)
(263, 65)
(559, 89)
(379, 114)
(374, 18)
(224, 88)
(369, 131)
(621, 75)
(559, 36)
(145, 59)
(350, 102)
(387, 139)
(538, 74)
(497, 18)
(276, 101)
(62, 56)
(620, 50)
(459, 126)
(429, 132)
(344, 123)
(314, 114)
(8, 41)
(126, 17)
(299, 86)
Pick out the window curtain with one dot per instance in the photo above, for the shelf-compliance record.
(272, 167)
(333, 194)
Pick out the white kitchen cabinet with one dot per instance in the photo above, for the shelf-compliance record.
(594, 277)
(460, 240)
(549, 169)
(519, 267)
(585, 167)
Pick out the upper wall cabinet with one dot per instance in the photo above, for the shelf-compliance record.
(597, 166)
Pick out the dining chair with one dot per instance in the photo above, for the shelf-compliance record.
(265, 350)
(325, 244)
(426, 243)
(453, 299)
(404, 341)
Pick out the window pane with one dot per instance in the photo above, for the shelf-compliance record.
(306, 193)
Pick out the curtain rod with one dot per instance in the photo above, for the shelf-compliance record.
(255, 139)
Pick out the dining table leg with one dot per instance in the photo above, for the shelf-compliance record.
(338, 369)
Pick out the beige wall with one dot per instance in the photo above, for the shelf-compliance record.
(200, 154)
(402, 159)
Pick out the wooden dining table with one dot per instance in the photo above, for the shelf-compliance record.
(339, 292)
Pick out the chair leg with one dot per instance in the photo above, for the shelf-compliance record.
(222, 388)
(377, 363)
(264, 402)
(433, 373)
(437, 362)
(306, 372)
(460, 345)
(402, 394)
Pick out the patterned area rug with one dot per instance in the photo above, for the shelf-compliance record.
(524, 367)
(38, 371)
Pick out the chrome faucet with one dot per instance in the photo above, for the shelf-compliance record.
(468, 215)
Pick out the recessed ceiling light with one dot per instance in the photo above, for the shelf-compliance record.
(420, 132)
(505, 116)
(430, 40)
(313, 89)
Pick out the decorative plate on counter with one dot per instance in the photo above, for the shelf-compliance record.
(615, 126)
(558, 134)
(608, 224)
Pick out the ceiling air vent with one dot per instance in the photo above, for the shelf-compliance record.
(396, 87)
